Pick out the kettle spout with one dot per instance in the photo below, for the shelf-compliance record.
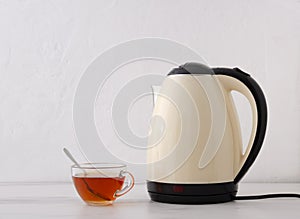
(155, 92)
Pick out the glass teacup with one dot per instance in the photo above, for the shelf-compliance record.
(101, 183)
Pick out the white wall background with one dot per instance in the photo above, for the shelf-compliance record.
(46, 45)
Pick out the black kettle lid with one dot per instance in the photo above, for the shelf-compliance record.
(192, 68)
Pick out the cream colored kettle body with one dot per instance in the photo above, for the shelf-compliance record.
(195, 138)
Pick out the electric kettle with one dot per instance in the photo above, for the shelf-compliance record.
(194, 153)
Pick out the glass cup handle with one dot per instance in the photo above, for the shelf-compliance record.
(127, 187)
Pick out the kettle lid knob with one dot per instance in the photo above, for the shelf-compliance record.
(192, 68)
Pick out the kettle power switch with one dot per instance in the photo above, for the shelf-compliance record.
(178, 188)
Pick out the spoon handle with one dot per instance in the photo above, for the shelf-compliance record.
(69, 155)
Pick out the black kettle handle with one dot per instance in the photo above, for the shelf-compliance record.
(262, 114)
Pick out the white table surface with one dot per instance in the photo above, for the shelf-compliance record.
(59, 200)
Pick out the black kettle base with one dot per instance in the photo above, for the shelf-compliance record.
(192, 193)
